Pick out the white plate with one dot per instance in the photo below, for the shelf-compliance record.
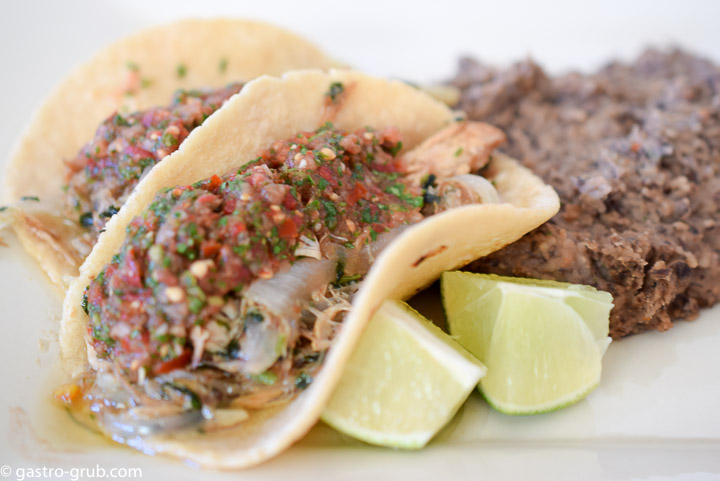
(655, 414)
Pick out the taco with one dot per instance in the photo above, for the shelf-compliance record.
(213, 318)
(72, 180)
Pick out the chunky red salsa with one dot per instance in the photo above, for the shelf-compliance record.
(189, 258)
(102, 175)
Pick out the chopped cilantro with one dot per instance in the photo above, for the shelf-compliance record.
(195, 304)
(169, 140)
(109, 212)
(193, 398)
(120, 121)
(268, 378)
(348, 279)
(367, 216)
(86, 220)
(330, 214)
(254, 316)
(398, 190)
(336, 88)
(396, 148)
(303, 380)
(181, 70)
(32, 198)
(84, 303)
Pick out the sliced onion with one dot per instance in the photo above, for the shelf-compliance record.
(225, 419)
(283, 293)
(132, 423)
(466, 189)
(259, 347)
(308, 248)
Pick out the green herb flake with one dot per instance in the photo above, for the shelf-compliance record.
(195, 304)
(109, 212)
(194, 399)
(396, 149)
(344, 280)
(303, 380)
(336, 88)
(459, 152)
(84, 303)
(120, 121)
(241, 249)
(398, 190)
(169, 140)
(223, 65)
(86, 220)
(268, 378)
(330, 214)
(181, 70)
(32, 198)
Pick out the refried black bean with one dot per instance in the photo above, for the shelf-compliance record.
(634, 153)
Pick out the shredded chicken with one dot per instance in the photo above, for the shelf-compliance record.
(460, 148)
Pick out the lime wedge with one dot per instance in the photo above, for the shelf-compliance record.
(404, 381)
(542, 341)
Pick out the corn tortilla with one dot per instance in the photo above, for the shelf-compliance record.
(266, 110)
(186, 54)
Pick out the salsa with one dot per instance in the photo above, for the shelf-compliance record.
(174, 297)
(102, 175)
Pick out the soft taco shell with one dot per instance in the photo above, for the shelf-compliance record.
(212, 52)
(270, 109)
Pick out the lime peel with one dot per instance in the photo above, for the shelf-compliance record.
(405, 380)
(542, 341)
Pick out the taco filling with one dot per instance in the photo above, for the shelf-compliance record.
(105, 171)
(227, 293)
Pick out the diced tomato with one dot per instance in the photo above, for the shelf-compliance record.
(206, 199)
(209, 248)
(229, 205)
(131, 271)
(137, 152)
(358, 192)
(215, 182)
(289, 201)
(287, 229)
(67, 393)
(175, 363)
(327, 174)
(238, 228)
